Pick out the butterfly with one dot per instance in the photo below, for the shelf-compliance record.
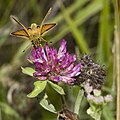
(35, 32)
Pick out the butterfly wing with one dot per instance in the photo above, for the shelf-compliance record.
(25, 29)
(20, 33)
(47, 27)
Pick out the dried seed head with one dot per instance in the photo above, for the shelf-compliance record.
(91, 73)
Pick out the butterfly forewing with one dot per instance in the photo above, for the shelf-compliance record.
(46, 27)
(20, 33)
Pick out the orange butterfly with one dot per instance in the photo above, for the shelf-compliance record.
(35, 32)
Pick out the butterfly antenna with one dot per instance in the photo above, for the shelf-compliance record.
(20, 24)
(44, 39)
(49, 11)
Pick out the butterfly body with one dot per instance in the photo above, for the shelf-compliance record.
(35, 32)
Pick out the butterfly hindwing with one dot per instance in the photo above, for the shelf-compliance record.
(20, 33)
(47, 27)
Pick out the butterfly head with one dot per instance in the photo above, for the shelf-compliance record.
(33, 26)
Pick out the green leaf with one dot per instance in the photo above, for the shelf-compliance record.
(9, 110)
(39, 87)
(95, 114)
(74, 30)
(107, 113)
(29, 71)
(57, 88)
(80, 17)
(47, 105)
(104, 41)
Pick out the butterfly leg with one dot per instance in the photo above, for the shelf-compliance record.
(26, 48)
(37, 43)
(42, 39)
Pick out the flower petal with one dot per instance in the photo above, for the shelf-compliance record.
(75, 71)
(62, 49)
(68, 80)
(55, 78)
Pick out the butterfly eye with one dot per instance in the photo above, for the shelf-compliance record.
(38, 26)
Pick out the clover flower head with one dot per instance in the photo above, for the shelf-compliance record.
(55, 65)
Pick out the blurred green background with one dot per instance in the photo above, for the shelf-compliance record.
(88, 27)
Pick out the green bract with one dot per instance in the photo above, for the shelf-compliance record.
(47, 105)
(57, 88)
(39, 87)
(29, 71)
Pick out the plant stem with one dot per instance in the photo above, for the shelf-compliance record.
(117, 58)
(63, 101)
(78, 101)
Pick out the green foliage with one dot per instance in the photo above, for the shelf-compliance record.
(78, 102)
(46, 104)
(29, 71)
(108, 113)
(57, 88)
(9, 110)
(39, 87)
